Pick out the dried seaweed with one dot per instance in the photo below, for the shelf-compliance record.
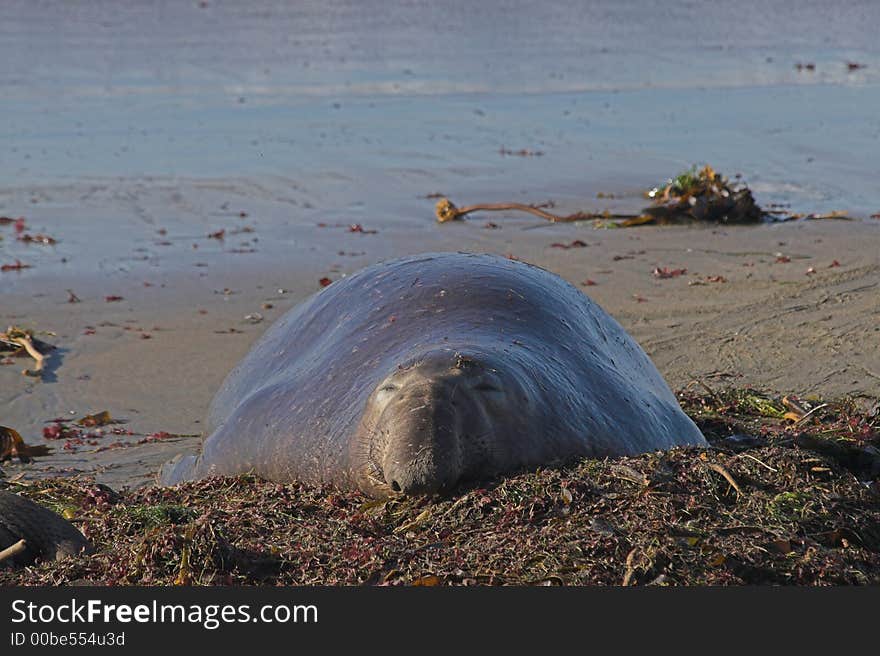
(692, 196)
(22, 342)
(770, 501)
(703, 195)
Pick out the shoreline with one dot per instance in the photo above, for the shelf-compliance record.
(786, 308)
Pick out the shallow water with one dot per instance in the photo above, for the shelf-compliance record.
(119, 121)
(413, 96)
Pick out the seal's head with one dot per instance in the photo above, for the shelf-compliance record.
(440, 418)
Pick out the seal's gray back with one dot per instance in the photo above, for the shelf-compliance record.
(47, 535)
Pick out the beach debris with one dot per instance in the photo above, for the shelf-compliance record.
(350, 227)
(184, 574)
(714, 466)
(220, 234)
(56, 430)
(665, 272)
(522, 152)
(703, 195)
(71, 297)
(38, 238)
(577, 243)
(74, 436)
(446, 210)
(160, 435)
(835, 215)
(809, 66)
(21, 341)
(97, 419)
(693, 195)
(13, 550)
(113, 298)
(839, 215)
(797, 411)
(12, 445)
(855, 66)
(324, 282)
(17, 266)
(707, 280)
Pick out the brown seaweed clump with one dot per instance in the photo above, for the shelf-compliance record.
(692, 196)
(787, 492)
(703, 195)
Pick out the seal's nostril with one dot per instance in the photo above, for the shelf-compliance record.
(395, 486)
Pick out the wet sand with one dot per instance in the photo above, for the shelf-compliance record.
(770, 323)
(132, 137)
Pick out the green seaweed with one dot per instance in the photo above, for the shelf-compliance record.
(161, 514)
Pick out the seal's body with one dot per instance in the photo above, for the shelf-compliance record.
(47, 535)
(414, 374)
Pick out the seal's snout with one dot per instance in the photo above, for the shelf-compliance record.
(430, 424)
(422, 452)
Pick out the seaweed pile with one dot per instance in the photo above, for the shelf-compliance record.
(787, 493)
(702, 195)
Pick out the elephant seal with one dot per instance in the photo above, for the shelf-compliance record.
(414, 374)
(47, 535)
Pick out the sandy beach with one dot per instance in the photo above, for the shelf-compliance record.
(201, 180)
(741, 316)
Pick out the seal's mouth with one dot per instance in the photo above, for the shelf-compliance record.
(375, 485)
(405, 462)
(374, 481)
(371, 478)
